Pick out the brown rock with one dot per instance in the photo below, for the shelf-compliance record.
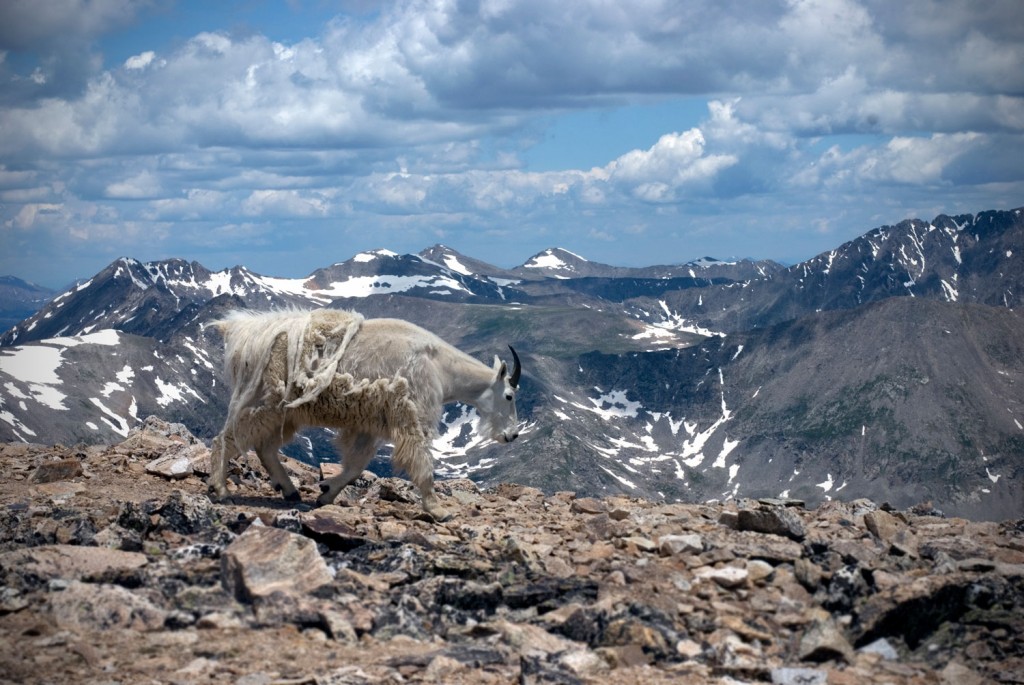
(156, 436)
(619, 513)
(263, 560)
(759, 570)
(957, 674)
(595, 552)
(745, 629)
(636, 542)
(557, 567)
(628, 631)
(526, 638)
(625, 656)
(62, 469)
(588, 505)
(807, 573)
(904, 543)
(330, 526)
(882, 525)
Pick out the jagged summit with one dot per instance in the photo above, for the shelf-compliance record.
(459, 263)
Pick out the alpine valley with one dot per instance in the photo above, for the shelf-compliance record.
(891, 368)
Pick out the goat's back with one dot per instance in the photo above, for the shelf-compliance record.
(384, 348)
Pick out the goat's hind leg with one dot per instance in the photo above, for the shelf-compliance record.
(268, 454)
(278, 476)
(357, 449)
(222, 450)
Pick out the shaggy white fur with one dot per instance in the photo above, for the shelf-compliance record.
(374, 380)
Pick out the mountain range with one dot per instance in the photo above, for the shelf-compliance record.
(20, 300)
(888, 368)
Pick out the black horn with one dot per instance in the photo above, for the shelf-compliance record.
(517, 369)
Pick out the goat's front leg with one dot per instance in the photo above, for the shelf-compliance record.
(414, 458)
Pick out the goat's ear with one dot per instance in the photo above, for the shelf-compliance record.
(499, 367)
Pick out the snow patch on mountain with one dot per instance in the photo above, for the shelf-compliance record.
(116, 422)
(35, 366)
(554, 260)
(612, 405)
(364, 286)
(452, 262)
(372, 255)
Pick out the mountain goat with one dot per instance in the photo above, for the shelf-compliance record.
(374, 380)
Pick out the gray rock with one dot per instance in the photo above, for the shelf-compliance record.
(882, 648)
(799, 676)
(680, 544)
(774, 520)
(92, 606)
(185, 513)
(727, 576)
(823, 641)
(174, 466)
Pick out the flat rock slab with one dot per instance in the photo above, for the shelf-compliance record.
(69, 562)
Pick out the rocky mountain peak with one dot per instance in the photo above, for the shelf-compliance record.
(558, 262)
(116, 565)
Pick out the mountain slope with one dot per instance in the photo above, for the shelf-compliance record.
(98, 386)
(968, 258)
(904, 400)
(899, 393)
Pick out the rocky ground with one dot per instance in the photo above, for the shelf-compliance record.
(117, 568)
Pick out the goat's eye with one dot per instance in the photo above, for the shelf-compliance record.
(509, 397)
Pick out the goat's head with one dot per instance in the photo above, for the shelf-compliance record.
(498, 410)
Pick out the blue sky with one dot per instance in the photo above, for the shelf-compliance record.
(286, 136)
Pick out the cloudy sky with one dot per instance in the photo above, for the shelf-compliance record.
(290, 135)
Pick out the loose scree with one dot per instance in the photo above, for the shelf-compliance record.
(374, 380)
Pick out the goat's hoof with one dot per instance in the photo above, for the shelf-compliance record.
(324, 486)
(440, 515)
(294, 496)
